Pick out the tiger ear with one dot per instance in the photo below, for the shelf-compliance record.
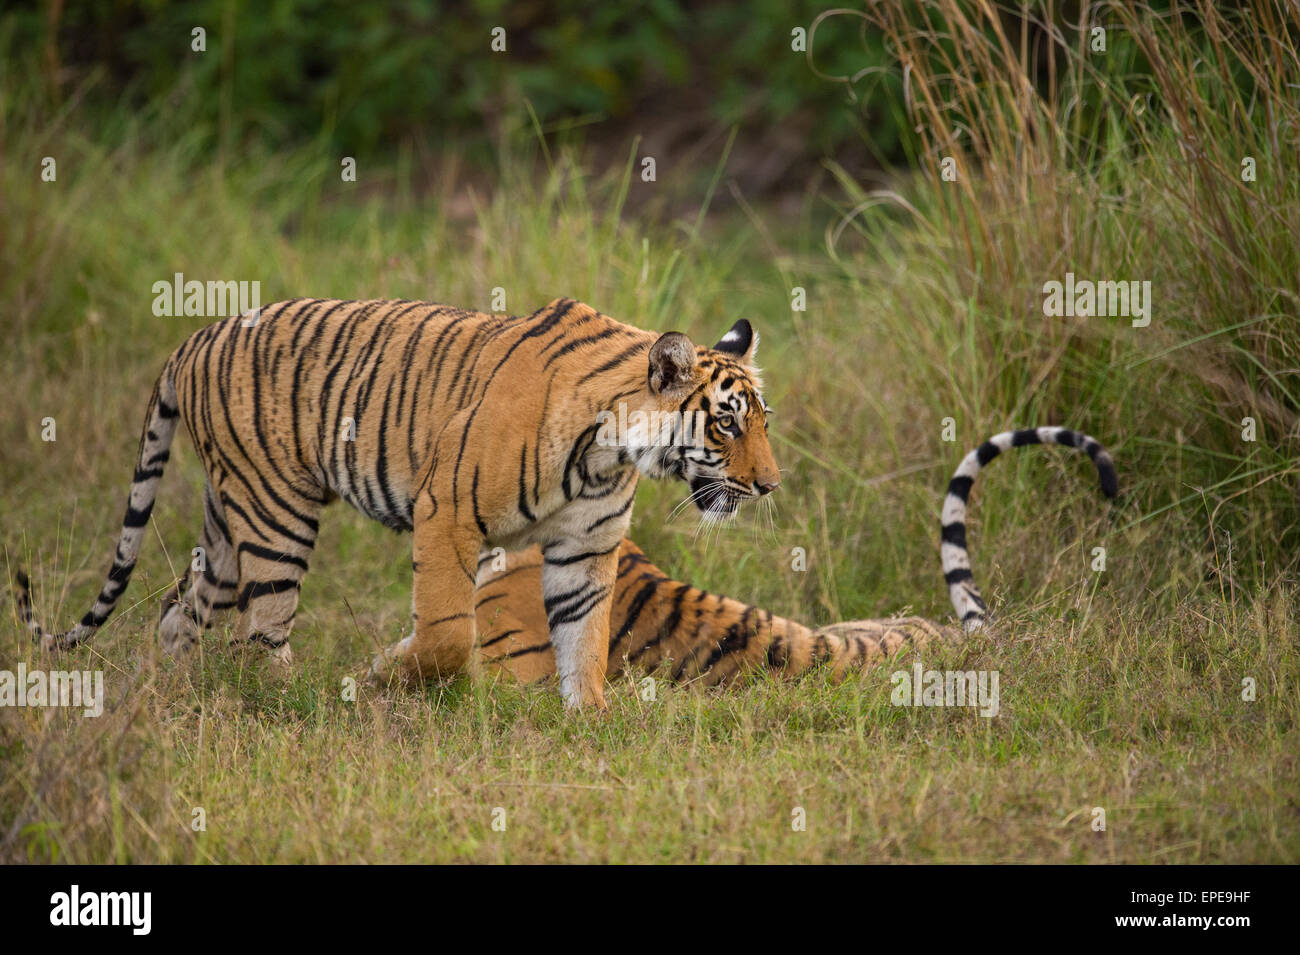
(672, 362)
(741, 341)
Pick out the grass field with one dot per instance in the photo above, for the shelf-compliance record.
(1122, 689)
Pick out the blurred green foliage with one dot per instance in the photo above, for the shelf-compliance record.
(363, 77)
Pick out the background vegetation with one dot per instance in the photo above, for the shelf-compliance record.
(1121, 689)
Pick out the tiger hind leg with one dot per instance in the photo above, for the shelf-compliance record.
(208, 588)
(272, 545)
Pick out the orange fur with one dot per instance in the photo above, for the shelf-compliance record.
(471, 430)
(657, 621)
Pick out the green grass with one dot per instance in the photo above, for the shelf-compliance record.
(1120, 690)
(1140, 717)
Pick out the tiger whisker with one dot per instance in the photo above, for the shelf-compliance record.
(690, 498)
(711, 521)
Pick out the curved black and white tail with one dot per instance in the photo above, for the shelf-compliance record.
(966, 599)
(155, 443)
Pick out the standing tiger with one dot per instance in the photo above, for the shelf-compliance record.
(710, 639)
(471, 430)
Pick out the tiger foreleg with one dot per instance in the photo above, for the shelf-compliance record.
(578, 591)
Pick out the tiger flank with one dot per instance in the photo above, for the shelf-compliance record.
(471, 430)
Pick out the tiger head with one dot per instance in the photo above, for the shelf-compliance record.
(720, 448)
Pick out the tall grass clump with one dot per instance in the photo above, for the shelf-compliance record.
(1167, 157)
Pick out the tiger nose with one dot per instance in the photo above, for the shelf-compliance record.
(767, 487)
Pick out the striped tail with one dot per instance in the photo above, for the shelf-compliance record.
(155, 443)
(966, 599)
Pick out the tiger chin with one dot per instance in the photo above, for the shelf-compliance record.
(471, 431)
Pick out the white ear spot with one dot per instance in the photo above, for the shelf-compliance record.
(731, 336)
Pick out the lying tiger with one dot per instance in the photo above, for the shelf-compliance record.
(416, 414)
(708, 639)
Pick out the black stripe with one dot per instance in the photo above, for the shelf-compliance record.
(777, 654)
(447, 619)
(381, 466)
(578, 343)
(614, 362)
(526, 650)
(473, 496)
(266, 553)
(261, 588)
(549, 322)
(523, 485)
(1109, 479)
(736, 641)
(121, 573)
(987, 452)
(634, 611)
(576, 453)
(586, 555)
(960, 487)
(499, 637)
(578, 608)
(611, 516)
(460, 456)
(136, 518)
(630, 560)
(667, 628)
(218, 522)
(210, 576)
(507, 573)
